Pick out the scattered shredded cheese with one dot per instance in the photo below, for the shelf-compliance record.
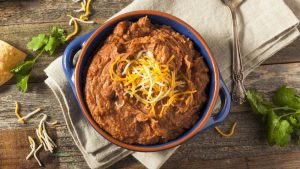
(32, 146)
(41, 132)
(17, 109)
(43, 136)
(149, 82)
(34, 154)
(79, 20)
(79, 10)
(75, 30)
(82, 9)
(34, 150)
(87, 11)
(52, 123)
(85, 7)
(30, 114)
(231, 130)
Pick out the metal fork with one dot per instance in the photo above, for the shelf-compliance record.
(238, 90)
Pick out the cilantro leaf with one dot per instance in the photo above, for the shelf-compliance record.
(52, 44)
(58, 33)
(56, 39)
(294, 121)
(279, 130)
(287, 97)
(22, 73)
(22, 82)
(37, 42)
(282, 133)
(41, 42)
(23, 68)
(258, 103)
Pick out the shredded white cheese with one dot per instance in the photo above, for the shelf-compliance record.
(30, 114)
(79, 20)
(32, 146)
(43, 136)
(83, 6)
(34, 154)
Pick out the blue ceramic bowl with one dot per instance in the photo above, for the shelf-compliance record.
(89, 44)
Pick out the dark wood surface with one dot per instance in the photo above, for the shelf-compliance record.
(20, 20)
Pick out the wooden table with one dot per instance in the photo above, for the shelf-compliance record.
(20, 20)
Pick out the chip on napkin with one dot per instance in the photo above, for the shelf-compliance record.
(10, 57)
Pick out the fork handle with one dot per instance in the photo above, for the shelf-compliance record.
(238, 91)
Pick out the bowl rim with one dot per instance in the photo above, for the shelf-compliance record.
(131, 146)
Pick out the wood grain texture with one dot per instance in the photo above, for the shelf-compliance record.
(289, 54)
(14, 147)
(246, 149)
(20, 12)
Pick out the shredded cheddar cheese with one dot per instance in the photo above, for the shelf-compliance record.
(87, 11)
(17, 109)
(84, 18)
(231, 130)
(150, 82)
(75, 30)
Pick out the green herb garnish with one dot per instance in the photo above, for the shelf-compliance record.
(38, 42)
(42, 43)
(287, 96)
(279, 130)
(257, 102)
(282, 115)
(22, 72)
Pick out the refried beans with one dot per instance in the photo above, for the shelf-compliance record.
(123, 116)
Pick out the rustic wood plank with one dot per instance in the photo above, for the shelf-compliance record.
(14, 147)
(29, 102)
(49, 11)
(290, 54)
(279, 161)
(236, 163)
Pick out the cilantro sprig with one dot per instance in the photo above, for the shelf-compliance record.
(282, 115)
(42, 43)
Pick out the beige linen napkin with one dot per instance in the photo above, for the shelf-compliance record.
(268, 26)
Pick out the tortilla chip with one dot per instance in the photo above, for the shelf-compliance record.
(10, 57)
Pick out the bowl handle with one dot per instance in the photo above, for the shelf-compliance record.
(68, 57)
(225, 107)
